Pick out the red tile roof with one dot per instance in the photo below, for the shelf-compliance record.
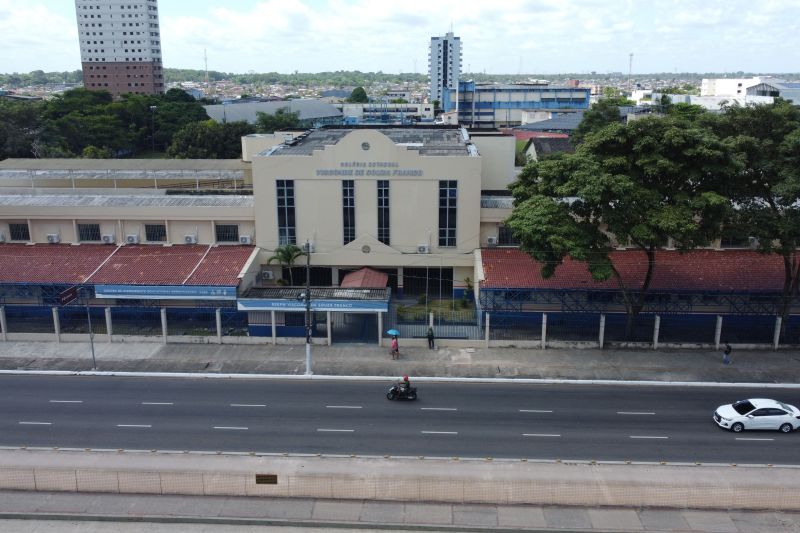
(709, 270)
(365, 278)
(123, 265)
(50, 263)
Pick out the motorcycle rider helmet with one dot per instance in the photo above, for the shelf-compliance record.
(405, 378)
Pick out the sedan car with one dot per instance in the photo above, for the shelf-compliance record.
(758, 413)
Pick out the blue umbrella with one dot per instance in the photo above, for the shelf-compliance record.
(393, 332)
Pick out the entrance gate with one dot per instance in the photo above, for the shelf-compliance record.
(354, 328)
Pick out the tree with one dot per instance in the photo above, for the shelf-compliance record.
(767, 190)
(286, 255)
(601, 114)
(282, 119)
(358, 96)
(20, 126)
(636, 184)
(93, 152)
(209, 140)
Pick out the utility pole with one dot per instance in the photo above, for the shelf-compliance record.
(91, 331)
(308, 309)
(630, 70)
(153, 124)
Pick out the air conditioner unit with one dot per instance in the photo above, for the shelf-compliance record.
(190, 239)
(308, 247)
(753, 242)
(423, 249)
(53, 238)
(132, 239)
(267, 274)
(491, 241)
(107, 239)
(245, 239)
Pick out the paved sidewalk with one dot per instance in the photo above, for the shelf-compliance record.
(91, 513)
(749, 366)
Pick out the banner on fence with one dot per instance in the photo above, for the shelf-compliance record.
(349, 306)
(165, 292)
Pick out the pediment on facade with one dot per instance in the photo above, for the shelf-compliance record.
(367, 245)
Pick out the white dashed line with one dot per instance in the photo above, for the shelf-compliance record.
(230, 427)
(646, 437)
(439, 432)
(343, 406)
(157, 403)
(535, 411)
(248, 405)
(134, 426)
(36, 423)
(336, 430)
(634, 413)
(66, 401)
(438, 409)
(540, 435)
(750, 438)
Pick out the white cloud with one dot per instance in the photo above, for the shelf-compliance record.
(35, 37)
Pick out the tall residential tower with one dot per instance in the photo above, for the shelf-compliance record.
(120, 46)
(444, 64)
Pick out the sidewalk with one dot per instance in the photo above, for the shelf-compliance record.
(749, 366)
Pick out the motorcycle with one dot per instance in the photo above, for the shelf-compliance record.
(399, 393)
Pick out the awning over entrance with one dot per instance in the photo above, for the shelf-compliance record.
(292, 299)
(365, 278)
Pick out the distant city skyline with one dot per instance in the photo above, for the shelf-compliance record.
(511, 37)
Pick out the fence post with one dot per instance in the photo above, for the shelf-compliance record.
(164, 330)
(380, 329)
(218, 316)
(56, 324)
(274, 328)
(602, 338)
(718, 332)
(776, 336)
(486, 325)
(328, 325)
(3, 324)
(544, 331)
(656, 330)
(430, 319)
(109, 328)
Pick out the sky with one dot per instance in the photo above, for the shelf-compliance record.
(501, 36)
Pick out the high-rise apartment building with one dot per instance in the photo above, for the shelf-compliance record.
(120, 46)
(444, 64)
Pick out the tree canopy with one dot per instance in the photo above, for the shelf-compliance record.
(210, 140)
(282, 119)
(600, 115)
(358, 96)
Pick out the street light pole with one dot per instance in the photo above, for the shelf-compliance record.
(153, 124)
(91, 331)
(308, 309)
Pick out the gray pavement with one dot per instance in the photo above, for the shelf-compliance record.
(25, 512)
(749, 366)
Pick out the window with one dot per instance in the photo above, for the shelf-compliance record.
(227, 232)
(19, 232)
(505, 237)
(448, 196)
(88, 232)
(286, 216)
(349, 211)
(383, 212)
(155, 232)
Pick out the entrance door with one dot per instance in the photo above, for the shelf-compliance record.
(354, 328)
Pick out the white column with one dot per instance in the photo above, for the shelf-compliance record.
(544, 331)
(3, 323)
(602, 338)
(109, 328)
(486, 331)
(218, 316)
(335, 276)
(274, 327)
(656, 328)
(164, 324)
(776, 336)
(380, 329)
(430, 319)
(328, 325)
(718, 332)
(56, 324)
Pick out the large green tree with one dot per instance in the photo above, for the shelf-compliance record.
(20, 126)
(636, 185)
(210, 140)
(282, 119)
(766, 192)
(601, 114)
(358, 96)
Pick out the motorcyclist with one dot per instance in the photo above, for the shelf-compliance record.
(405, 385)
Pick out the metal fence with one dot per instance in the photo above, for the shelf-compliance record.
(192, 321)
(74, 320)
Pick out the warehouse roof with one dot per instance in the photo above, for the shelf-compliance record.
(124, 200)
(308, 109)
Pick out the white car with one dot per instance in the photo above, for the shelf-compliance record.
(758, 413)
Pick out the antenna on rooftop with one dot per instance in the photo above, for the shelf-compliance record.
(205, 61)
(630, 69)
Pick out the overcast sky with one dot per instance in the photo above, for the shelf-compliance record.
(501, 36)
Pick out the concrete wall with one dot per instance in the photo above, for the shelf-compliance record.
(497, 159)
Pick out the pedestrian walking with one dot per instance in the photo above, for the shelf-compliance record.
(395, 348)
(430, 337)
(726, 354)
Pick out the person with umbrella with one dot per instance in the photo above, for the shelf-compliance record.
(395, 350)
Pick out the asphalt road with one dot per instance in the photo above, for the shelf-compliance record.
(334, 417)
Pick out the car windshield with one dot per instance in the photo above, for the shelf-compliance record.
(785, 407)
(743, 407)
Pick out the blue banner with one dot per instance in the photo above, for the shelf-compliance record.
(165, 292)
(349, 306)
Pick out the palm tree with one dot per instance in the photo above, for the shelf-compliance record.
(286, 255)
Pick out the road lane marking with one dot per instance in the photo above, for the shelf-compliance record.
(751, 438)
(248, 405)
(634, 413)
(134, 426)
(535, 411)
(157, 403)
(230, 427)
(343, 406)
(540, 435)
(66, 401)
(336, 430)
(36, 423)
(646, 437)
(439, 432)
(438, 409)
